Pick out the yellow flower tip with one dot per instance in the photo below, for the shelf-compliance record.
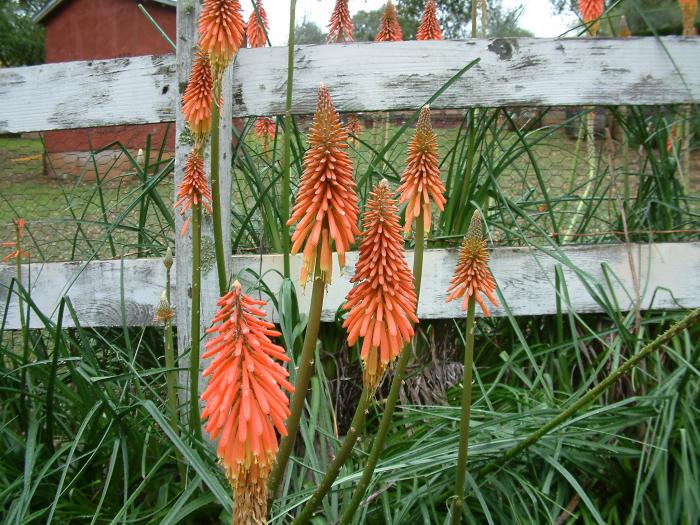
(221, 33)
(250, 495)
(164, 311)
(382, 302)
(197, 102)
(472, 274)
(340, 27)
(389, 28)
(255, 31)
(420, 181)
(623, 30)
(429, 28)
(326, 208)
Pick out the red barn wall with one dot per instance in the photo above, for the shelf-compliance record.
(104, 29)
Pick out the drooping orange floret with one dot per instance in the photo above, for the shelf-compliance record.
(591, 11)
(382, 303)
(689, 8)
(221, 32)
(266, 128)
(16, 245)
(353, 125)
(194, 188)
(245, 403)
(197, 101)
(326, 204)
(472, 274)
(420, 181)
(389, 28)
(255, 31)
(340, 28)
(429, 28)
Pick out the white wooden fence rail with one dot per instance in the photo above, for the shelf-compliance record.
(669, 280)
(363, 77)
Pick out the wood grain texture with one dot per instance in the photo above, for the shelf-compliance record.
(365, 77)
(668, 274)
(70, 95)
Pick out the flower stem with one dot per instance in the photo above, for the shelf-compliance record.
(391, 400)
(356, 426)
(287, 142)
(301, 385)
(195, 424)
(689, 320)
(458, 500)
(216, 203)
(171, 375)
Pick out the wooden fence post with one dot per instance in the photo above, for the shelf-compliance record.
(187, 37)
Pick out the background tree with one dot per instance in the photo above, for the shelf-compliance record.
(21, 40)
(308, 32)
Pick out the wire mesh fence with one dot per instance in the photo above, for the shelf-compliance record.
(563, 175)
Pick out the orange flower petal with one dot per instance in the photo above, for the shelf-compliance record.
(255, 32)
(340, 27)
(389, 28)
(472, 274)
(429, 28)
(382, 303)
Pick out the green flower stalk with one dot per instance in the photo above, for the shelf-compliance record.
(472, 278)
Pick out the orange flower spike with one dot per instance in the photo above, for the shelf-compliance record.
(197, 100)
(689, 8)
(340, 28)
(623, 30)
(326, 204)
(429, 28)
(194, 188)
(420, 181)
(591, 11)
(353, 125)
(221, 32)
(245, 405)
(389, 28)
(255, 32)
(266, 128)
(16, 245)
(472, 274)
(382, 303)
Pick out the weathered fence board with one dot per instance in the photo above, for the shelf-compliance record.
(669, 280)
(364, 77)
(70, 95)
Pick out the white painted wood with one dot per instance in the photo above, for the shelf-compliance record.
(512, 72)
(668, 275)
(69, 95)
(365, 77)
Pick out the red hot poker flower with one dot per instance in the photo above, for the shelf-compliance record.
(221, 32)
(326, 204)
(389, 28)
(255, 31)
(265, 128)
(353, 125)
(420, 181)
(340, 28)
(194, 188)
(16, 245)
(429, 28)
(197, 100)
(472, 274)
(591, 11)
(382, 303)
(245, 402)
(689, 8)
